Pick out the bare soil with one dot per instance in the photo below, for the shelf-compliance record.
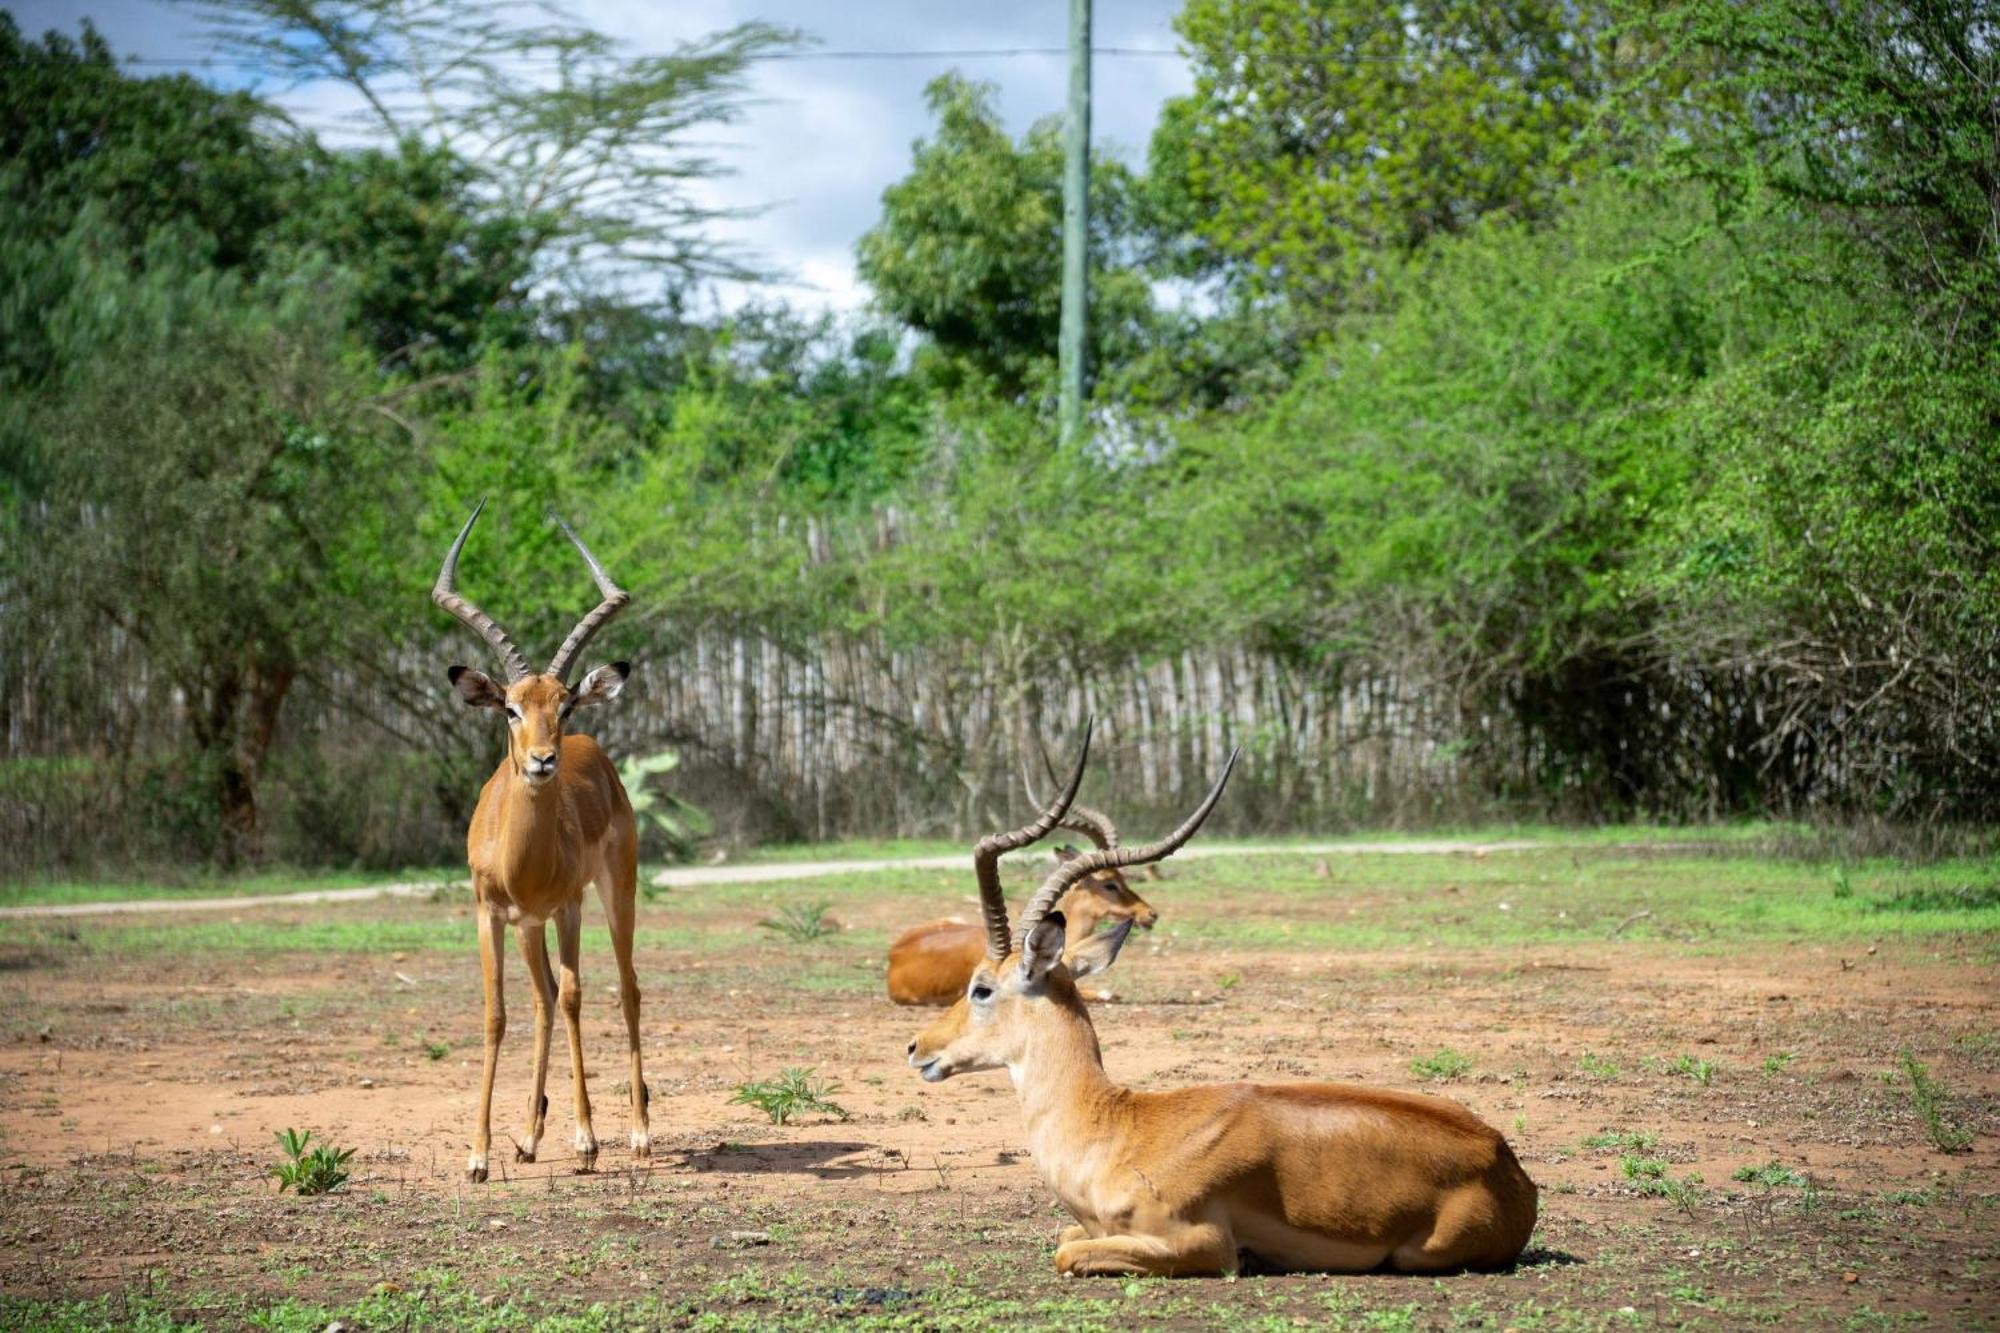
(140, 1100)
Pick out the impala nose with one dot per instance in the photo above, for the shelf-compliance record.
(541, 763)
(913, 1048)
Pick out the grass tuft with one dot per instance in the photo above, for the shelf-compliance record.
(1442, 1066)
(802, 923)
(1772, 1173)
(1930, 1097)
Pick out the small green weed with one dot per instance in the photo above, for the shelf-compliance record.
(1770, 1174)
(802, 923)
(1635, 1139)
(1641, 1169)
(1701, 1071)
(794, 1092)
(1929, 1096)
(1230, 982)
(1843, 887)
(437, 1050)
(320, 1171)
(1775, 1063)
(1649, 1177)
(1593, 1065)
(1441, 1067)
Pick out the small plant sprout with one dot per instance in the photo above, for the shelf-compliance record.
(1843, 887)
(1593, 1065)
(802, 923)
(1930, 1098)
(794, 1092)
(1442, 1066)
(1777, 1062)
(437, 1050)
(1636, 1140)
(320, 1170)
(1701, 1071)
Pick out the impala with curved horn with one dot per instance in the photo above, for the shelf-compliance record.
(1308, 1176)
(552, 818)
(929, 963)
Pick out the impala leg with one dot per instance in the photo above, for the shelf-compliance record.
(569, 997)
(534, 942)
(1199, 1249)
(492, 959)
(620, 894)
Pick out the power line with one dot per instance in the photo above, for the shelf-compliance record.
(960, 53)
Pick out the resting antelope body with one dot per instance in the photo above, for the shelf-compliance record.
(552, 818)
(1311, 1176)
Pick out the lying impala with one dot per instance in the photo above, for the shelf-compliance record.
(552, 818)
(930, 963)
(1330, 1177)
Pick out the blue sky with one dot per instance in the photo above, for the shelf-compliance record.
(827, 136)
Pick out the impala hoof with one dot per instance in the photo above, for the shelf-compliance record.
(642, 1144)
(523, 1154)
(476, 1173)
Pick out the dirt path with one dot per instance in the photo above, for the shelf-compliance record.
(760, 873)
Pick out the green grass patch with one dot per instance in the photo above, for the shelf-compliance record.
(37, 893)
(1770, 1174)
(1442, 1066)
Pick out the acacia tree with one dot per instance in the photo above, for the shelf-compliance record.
(593, 150)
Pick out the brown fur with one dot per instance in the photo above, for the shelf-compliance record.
(1311, 1176)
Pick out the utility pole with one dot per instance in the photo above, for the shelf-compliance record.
(1076, 226)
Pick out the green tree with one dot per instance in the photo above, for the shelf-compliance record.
(438, 274)
(1322, 137)
(207, 492)
(1881, 115)
(969, 247)
(151, 153)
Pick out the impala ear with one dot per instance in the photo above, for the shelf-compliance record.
(1044, 946)
(478, 689)
(1099, 951)
(599, 687)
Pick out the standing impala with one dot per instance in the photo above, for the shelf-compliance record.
(1330, 1177)
(929, 963)
(552, 818)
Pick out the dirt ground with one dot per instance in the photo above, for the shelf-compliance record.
(141, 1091)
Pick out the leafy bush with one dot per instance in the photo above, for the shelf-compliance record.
(794, 1092)
(675, 826)
(321, 1170)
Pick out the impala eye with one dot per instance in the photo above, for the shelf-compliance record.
(982, 993)
(513, 713)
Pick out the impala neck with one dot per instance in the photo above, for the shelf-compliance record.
(530, 822)
(1059, 1075)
